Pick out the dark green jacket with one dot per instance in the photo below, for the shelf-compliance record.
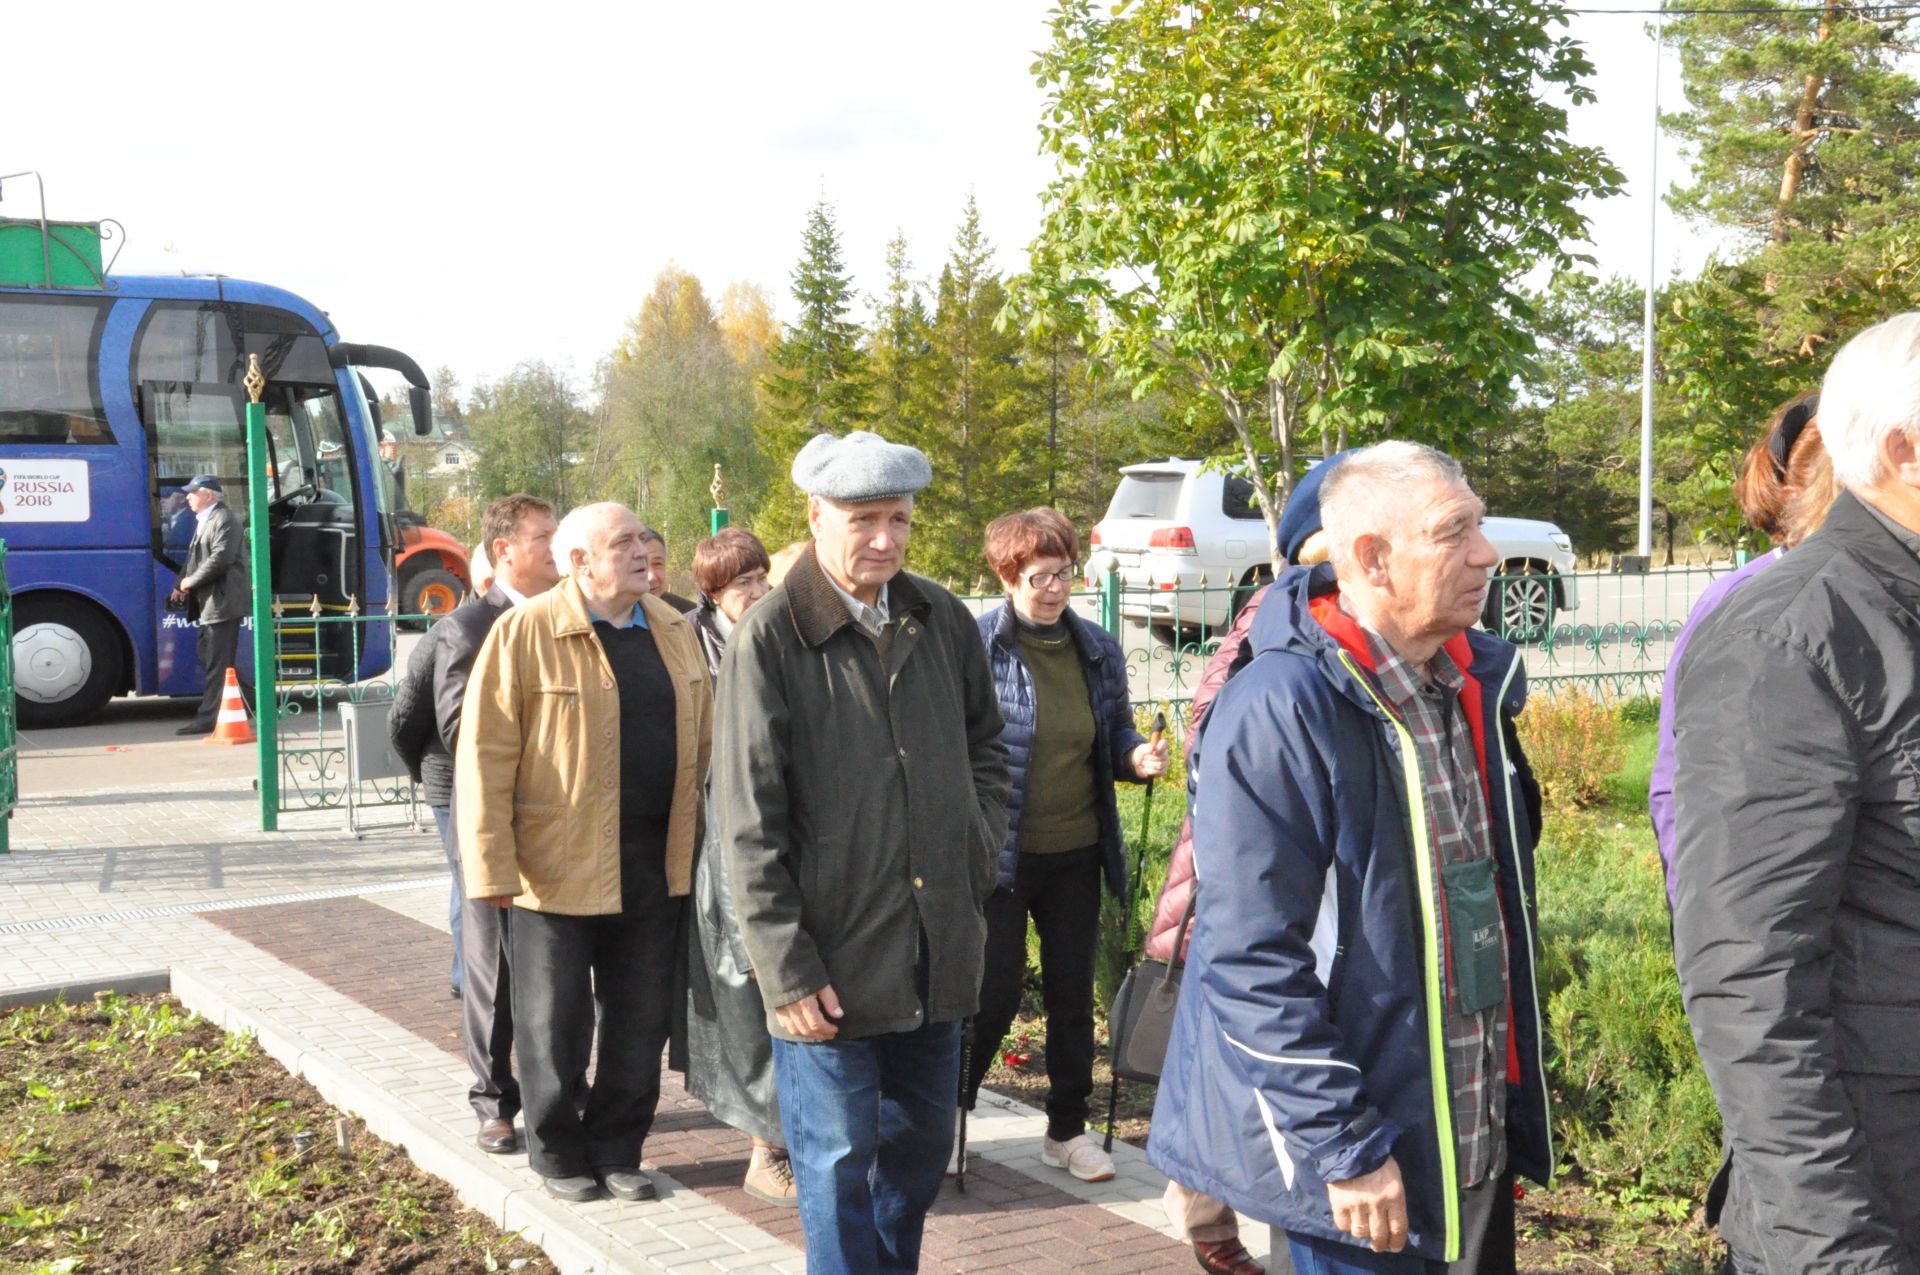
(858, 806)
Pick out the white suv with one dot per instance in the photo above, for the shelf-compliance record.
(1172, 525)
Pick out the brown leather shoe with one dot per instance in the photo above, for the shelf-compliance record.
(498, 1137)
(1226, 1257)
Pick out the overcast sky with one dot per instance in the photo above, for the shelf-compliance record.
(478, 189)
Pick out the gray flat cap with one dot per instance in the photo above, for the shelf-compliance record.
(861, 466)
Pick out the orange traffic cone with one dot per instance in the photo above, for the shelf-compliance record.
(232, 726)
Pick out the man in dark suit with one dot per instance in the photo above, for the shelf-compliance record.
(213, 587)
(518, 534)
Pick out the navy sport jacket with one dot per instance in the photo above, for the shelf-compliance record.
(1307, 1042)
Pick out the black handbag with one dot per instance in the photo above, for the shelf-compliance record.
(1140, 1021)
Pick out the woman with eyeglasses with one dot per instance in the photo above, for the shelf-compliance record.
(1070, 733)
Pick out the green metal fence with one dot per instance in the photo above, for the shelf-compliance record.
(330, 749)
(9, 721)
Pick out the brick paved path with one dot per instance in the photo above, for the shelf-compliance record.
(396, 967)
(334, 951)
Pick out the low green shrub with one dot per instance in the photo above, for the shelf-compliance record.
(1632, 1105)
(1574, 740)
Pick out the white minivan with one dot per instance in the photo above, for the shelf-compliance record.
(1173, 524)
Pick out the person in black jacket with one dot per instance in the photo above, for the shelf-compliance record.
(1796, 857)
(518, 533)
(213, 588)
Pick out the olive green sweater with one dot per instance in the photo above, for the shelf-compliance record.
(1059, 814)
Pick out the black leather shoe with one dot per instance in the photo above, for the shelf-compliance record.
(627, 1184)
(573, 1190)
(497, 1137)
(195, 728)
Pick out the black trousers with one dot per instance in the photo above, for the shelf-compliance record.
(486, 999)
(1062, 893)
(217, 644)
(564, 968)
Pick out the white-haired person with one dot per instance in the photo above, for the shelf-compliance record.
(1356, 1057)
(1796, 854)
(480, 569)
(577, 778)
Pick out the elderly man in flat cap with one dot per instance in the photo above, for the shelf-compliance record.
(859, 791)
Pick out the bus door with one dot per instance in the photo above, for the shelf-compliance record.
(189, 360)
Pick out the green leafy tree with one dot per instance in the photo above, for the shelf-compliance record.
(819, 380)
(676, 401)
(1316, 215)
(529, 429)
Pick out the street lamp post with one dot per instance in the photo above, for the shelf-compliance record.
(1645, 549)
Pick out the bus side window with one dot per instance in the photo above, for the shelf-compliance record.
(49, 371)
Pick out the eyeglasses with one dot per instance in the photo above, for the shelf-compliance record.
(1047, 579)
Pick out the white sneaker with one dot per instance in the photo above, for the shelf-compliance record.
(1081, 1156)
(953, 1157)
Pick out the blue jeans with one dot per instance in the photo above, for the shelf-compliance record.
(869, 1124)
(1315, 1256)
(457, 904)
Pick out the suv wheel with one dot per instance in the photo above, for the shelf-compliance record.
(1520, 603)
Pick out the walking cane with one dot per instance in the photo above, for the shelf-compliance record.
(966, 1069)
(1133, 900)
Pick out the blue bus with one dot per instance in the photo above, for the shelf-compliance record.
(116, 392)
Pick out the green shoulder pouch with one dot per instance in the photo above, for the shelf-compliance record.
(1476, 934)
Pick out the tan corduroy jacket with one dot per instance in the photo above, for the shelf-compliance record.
(537, 762)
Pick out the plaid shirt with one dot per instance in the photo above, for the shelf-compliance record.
(1428, 702)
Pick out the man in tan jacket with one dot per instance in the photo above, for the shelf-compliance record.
(583, 746)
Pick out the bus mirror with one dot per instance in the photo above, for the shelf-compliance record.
(420, 400)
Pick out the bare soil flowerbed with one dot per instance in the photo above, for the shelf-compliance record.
(137, 1138)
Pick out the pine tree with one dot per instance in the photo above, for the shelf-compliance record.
(1088, 423)
(1805, 132)
(819, 380)
(981, 431)
(899, 351)
(1804, 128)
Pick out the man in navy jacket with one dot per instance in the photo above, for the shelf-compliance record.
(1356, 1058)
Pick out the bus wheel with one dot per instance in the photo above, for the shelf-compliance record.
(66, 660)
(431, 591)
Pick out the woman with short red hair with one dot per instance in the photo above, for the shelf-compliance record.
(1062, 685)
(730, 570)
